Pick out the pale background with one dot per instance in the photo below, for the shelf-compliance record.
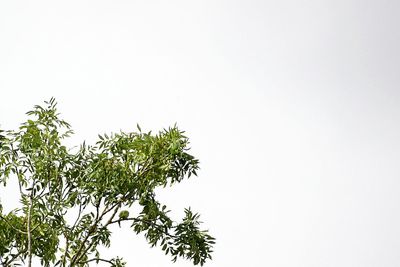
(293, 108)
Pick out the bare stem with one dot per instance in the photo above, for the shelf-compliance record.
(28, 229)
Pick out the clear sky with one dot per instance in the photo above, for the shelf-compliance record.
(293, 108)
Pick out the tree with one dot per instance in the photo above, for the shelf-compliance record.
(69, 198)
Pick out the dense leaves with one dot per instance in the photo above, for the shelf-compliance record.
(70, 198)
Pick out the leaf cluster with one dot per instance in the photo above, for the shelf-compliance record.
(69, 198)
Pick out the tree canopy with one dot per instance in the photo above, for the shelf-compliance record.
(69, 198)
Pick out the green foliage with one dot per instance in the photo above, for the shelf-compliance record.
(124, 214)
(94, 183)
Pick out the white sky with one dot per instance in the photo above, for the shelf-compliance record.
(291, 106)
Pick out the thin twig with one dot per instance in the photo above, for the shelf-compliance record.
(97, 259)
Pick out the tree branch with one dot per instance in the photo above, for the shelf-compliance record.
(97, 259)
(28, 229)
(92, 230)
(108, 223)
(8, 262)
(141, 220)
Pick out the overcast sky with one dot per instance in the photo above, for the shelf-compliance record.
(292, 107)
